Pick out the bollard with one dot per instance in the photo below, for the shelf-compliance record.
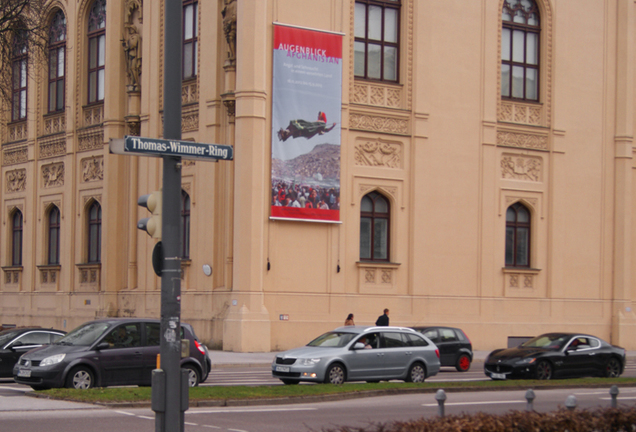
(440, 396)
(530, 398)
(570, 402)
(614, 395)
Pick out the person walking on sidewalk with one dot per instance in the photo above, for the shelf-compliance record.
(349, 320)
(383, 320)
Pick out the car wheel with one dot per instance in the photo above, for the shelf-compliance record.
(417, 373)
(544, 371)
(289, 381)
(613, 368)
(80, 378)
(193, 375)
(336, 374)
(463, 363)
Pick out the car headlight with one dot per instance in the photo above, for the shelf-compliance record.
(309, 362)
(524, 361)
(52, 360)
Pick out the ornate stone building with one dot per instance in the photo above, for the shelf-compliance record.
(487, 171)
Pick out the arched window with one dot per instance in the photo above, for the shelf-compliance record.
(375, 221)
(57, 63)
(190, 38)
(95, 233)
(19, 67)
(16, 238)
(517, 236)
(185, 224)
(521, 28)
(377, 39)
(96, 51)
(54, 236)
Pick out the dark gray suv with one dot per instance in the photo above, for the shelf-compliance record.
(107, 352)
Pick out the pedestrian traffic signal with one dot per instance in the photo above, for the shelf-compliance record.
(152, 224)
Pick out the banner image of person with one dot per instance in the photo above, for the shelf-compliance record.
(306, 120)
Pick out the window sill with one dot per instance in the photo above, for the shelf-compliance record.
(523, 270)
(377, 264)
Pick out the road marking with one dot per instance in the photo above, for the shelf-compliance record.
(211, 427)
(191, 424)
(249, 410)
(475, 403)
(237, 430)
(620, 398)
(146, 417)
(125, 413)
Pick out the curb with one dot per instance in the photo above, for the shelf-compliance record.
(334, 397)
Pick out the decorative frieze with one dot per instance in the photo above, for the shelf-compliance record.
(15, 155)
(189, 92)
(16, 180)
(373, 123)
(520, 113)
(52, 147)
(522, 140)
(91, 139)
(377, 95)
(520, 167)
(190, 120)
(17, 131)
(92, 169)
(53, 175)
(378, 154)
(54, 124)
(93, 115)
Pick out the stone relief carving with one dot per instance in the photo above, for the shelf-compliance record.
(378, 123)
(55, 124)
(91, 139)
(378, 154)
(369, 276)
(189, 92)
(53, 175)
(17, 131)
(523, 140)
(229, 28)
(520, 113)
(16, 180)
(132, 48)
(15, 155)
(92, 169)
(521, 167)
(53, 147)
(383, 96)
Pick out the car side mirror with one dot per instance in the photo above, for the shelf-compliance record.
(17, 344)
(571, 348)
(102, 345)
(358, 346)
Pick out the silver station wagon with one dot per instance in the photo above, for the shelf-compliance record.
(360, 353)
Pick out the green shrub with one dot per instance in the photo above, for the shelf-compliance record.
(600, 420)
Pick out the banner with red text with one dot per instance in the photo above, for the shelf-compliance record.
(306, 120)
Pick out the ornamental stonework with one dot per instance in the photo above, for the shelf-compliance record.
(189, 92)
(379, 124)
(376, 95)
(17, 131)
(92, 169)
(522, 140)
(15, 155)
(52, 147)
(16, 180)
(190, 121)
(520, 113)
(378, 154)
(54, 124)
(53, 175)
(93, 115)
(519, 167)
(91, 139)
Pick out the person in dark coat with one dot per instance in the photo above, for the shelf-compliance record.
(383, 320)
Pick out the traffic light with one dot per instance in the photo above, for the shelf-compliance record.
(152, 224)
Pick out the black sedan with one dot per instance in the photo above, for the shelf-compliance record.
(16, 341)
(557, 355)
(455, 349)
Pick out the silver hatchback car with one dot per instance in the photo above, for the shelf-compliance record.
(359, 353)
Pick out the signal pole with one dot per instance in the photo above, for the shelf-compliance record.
(175, 402)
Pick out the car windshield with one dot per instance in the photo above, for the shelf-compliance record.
(85, 334)
(7, 335)
(332, 339)
(549, 341)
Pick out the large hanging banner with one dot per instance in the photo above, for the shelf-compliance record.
(306, 116)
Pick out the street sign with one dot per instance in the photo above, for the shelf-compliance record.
(140, 146)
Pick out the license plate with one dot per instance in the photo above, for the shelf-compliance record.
(24, 373)
(498, 376)
(282, 369)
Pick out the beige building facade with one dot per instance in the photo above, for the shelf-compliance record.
(499, 134)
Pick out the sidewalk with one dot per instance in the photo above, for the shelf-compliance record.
(228, 358)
